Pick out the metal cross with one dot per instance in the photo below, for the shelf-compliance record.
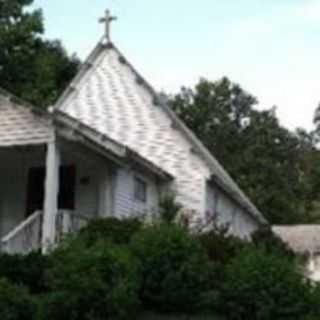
(108, 19)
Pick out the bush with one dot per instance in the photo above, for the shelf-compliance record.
(110, 229)
(28, 271)
(271, 243)
(220, 246)
(314, 309)
(169, 208)
(15, 302)
(264, 286)
(175, 268)
(100, 282)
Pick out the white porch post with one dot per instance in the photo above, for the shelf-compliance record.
(51, 195)
(106, 193)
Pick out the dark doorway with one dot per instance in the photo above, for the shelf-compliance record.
(35, 189)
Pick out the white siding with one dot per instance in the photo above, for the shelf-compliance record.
(228, 213)
(124, 202)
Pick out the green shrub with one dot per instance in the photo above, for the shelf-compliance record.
(15, 302)
(175, 268)
(100, 282)
(169, 208)
(111, 229)
(220, 246)
(267, 240)
(28, 270)
(263, 286)
(314, 308)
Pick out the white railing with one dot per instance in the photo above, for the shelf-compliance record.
(26, 237)
(68, 222)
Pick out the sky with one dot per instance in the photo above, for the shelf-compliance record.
(270, 47)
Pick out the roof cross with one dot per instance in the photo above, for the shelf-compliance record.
(108, 19)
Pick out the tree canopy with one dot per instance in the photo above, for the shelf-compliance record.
(272, 164)
(32, 67)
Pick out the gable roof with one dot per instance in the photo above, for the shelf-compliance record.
(20, 123)
(121, 94)
(301, 238)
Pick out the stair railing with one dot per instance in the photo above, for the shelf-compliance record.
(25, 237)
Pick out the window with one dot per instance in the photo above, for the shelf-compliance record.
(140, 190)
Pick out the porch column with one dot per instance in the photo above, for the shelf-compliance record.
(51, 195)
(106, 193)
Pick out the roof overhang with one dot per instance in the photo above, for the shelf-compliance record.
(21, 124)
(72, 129)
(302, 239)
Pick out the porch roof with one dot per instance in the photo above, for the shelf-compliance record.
(21, 124)
(300, 238)
(72, 129)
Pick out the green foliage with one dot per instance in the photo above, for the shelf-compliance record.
(100, 282)
(33, 68)
(220, 246)
(169, 208)
(274, 166)
(314, 309)
(175, 268)
(264, 286)
(265, 239)
(162, 269)
(15, 302)
(28, 271)
(111, 229)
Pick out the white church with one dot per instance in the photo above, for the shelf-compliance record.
(109, 147)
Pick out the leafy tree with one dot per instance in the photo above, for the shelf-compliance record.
(15, 302)
(175, 268)
(111, 229)
(262, 286)
(100, 282)
(267, 160)
(25, 270)
(317, 119)
(31, 67)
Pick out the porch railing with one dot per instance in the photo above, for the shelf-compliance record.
(26, 237)
(68, 222)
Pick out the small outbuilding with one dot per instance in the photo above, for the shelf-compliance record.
(303, 240)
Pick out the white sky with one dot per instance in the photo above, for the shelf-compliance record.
(270, 47)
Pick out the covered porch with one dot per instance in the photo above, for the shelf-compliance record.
(49, 185)
(48, 190)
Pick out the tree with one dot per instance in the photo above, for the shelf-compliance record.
(266, 159)
(317, 123)
(212, 106)
(31, 67)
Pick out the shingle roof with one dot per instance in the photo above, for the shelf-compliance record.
(300, 238)
(106, 79)
(19, 125)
